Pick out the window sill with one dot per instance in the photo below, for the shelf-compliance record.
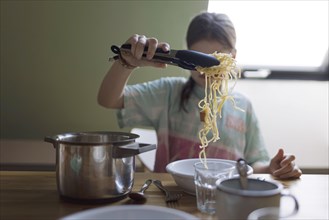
(286, 75)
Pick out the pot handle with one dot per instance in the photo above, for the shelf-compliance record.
(52, 139)
(131, 149)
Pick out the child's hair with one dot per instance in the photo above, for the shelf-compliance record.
(208, 26)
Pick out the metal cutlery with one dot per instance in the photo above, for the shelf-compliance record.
(170, 197)
(242, 168)
(139, 196)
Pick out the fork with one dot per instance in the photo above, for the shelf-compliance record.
(170, 197)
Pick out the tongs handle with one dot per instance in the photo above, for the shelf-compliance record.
(163, 57)
(187, 59)
(128, 47)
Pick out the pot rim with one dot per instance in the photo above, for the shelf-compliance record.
(71, 138)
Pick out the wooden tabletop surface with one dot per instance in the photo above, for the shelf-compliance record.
(33, 195)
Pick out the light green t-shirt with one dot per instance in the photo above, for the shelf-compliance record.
(157, 104)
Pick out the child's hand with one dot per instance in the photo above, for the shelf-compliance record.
(284, 167)
(138, 43)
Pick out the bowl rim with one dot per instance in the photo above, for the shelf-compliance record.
(170, 165)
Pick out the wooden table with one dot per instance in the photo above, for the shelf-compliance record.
(33, 195)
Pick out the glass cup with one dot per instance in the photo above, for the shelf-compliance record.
(205, 183)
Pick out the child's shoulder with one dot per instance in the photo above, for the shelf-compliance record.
(174, 80)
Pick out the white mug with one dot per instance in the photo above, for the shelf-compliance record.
(268, 213)
(235, 202)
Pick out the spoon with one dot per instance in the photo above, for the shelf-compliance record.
(139, 196)
(242, 168)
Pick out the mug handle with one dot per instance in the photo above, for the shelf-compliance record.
(296, 208)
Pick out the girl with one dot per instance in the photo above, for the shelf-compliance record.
(170, 105)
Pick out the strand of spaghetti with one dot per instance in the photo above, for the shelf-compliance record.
(217, 92)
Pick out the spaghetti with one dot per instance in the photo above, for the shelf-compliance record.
(217, 92)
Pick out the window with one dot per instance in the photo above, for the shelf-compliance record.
(280, 39)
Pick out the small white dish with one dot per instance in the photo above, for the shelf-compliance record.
(183, 172)
(137, 212)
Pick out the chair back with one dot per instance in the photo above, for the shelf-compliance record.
(146, 136)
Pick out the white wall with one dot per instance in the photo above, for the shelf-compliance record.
(293, 115)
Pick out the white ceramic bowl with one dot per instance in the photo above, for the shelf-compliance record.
(183, 172)
(131, 212)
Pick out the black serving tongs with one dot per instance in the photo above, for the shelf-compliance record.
(186, 59)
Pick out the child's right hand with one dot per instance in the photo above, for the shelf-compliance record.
(138, 43)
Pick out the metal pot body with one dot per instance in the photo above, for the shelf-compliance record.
(95, 165)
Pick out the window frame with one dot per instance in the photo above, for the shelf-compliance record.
(286, 72)
(289, 73)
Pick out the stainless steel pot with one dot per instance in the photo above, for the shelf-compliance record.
(96, 165)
